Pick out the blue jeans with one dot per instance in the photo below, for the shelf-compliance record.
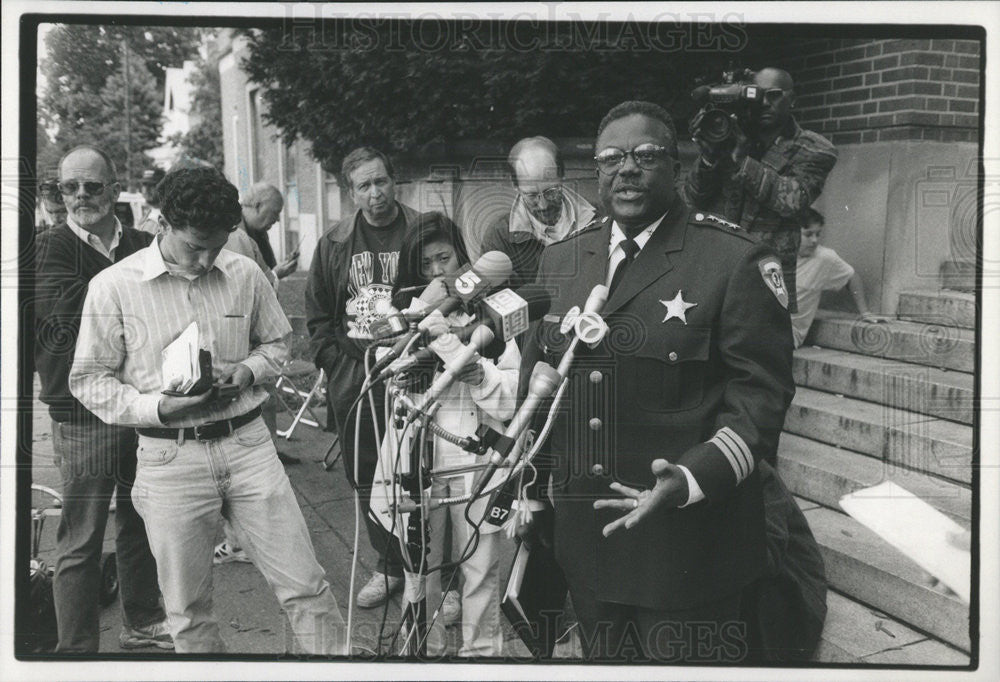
(183, 491)
(93, 459)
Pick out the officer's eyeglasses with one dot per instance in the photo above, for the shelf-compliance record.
(647, 156)
(89, 186)
(551, 195)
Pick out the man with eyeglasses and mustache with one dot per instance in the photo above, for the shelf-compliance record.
(92, 456)
(659, 521)
(764, 179)
(544, 211)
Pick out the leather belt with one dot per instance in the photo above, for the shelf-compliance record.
(202, 432)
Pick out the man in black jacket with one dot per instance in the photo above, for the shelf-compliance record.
(350, 284)
(92, 456)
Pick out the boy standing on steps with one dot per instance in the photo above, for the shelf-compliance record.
(820, 269)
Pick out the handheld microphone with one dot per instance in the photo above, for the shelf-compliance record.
(387, 327)
(473, 282)
(543, 383)
(591, 309)
(505, 313)
(480, 338)
(433, 295)
(491, 270)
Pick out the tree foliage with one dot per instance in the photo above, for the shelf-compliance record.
(84, 96)
(204, 139)
(399, 85)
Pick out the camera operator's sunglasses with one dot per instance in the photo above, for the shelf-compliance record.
(773, 95)
(89, 186)
(646, 156)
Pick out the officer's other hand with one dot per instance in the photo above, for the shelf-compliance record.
(669, 491)
(873, 318)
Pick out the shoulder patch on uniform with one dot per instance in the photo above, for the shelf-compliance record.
(770, 270)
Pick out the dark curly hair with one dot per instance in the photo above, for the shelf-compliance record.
(647, 109)
(430, 228)
(200, 198)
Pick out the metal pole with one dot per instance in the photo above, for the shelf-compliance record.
(128, 120)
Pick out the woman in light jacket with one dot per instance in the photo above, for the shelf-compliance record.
(484, 392)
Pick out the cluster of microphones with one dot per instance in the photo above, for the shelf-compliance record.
(421, 333)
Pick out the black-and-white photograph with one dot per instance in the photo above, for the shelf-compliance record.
(565, 341)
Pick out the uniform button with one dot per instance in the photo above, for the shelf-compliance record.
(699, 216)
(596, 377)
(597, 470)
(595, 424)
(672, 356)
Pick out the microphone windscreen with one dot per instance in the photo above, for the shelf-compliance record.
(495, 267)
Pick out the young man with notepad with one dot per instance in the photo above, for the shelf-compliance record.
(202, 457)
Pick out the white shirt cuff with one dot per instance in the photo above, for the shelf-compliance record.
(695, 493)
(261, 368)
(147, 409)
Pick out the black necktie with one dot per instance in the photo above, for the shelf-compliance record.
(631, 251)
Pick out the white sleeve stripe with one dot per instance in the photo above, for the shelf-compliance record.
(740, 446)
(726, 449)
(734, 448)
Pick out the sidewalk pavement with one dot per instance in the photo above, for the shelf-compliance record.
(249, 615)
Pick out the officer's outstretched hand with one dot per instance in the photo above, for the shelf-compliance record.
(670, 490)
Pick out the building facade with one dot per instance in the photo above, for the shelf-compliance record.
(900, 205)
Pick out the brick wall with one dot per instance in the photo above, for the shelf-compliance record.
(856, 91)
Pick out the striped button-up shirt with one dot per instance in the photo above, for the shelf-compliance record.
(136, 307)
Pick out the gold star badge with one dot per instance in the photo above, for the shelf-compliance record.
(677, 307)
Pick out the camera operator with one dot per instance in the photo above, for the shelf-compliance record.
(763, 170)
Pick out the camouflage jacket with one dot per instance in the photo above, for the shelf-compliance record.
(768, 191)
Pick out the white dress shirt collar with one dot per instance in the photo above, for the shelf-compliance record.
(94, 242)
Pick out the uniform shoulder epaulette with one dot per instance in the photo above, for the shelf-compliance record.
(711, 220)
(595, 224)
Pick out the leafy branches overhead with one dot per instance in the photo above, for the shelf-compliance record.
(84, 96)
(400, 85)
(204, 139)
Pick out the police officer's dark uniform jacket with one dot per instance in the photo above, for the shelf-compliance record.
(710, 394)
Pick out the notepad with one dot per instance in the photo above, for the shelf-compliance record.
(180, 360)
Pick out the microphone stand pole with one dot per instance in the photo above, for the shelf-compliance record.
(418, 548)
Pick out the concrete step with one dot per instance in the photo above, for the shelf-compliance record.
(903, 438)
(933, 345)
(959, 275)
(856, 633)
(868, 569)
(824, 473)
(949, 308)
(918, 388)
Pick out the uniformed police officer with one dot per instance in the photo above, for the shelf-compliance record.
(671, 411)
